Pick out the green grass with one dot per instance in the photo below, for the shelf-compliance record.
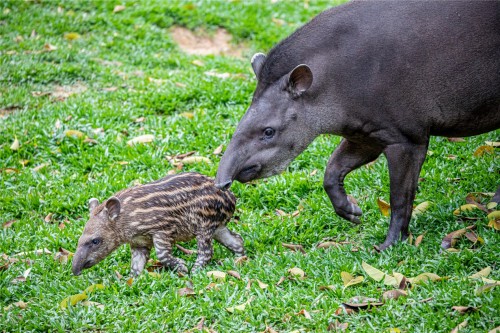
(138, 38)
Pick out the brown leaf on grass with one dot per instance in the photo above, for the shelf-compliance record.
(349, 280)
(240, 260)
(421, 208)
(146, 138)
(196, 159)
(329, 287)
(482, 273)
(186, 292)
(463, 309)
(474, 238)
(297, 272)
(459, 327)
(22, 278)
(394, 294)
(424, 277)
(234, 274)
(456, 139)
(218, 150)
(384, 207)
(464, 208)
(9, 224)
(15, 144)
(269, 330)
(482, 150)
(294, 247)
(487, 287)
(281, 280)
(49, 47)
(314, 172)
(495, 224)
(344, 310)
(20, 304)
(63, 255)
(304, 313)
(360, 303)
(118, 275)
(473, 199)
(262, 285)
(419, 239)
(241, 307)
(495, 215)
(130, 282)
(372, 272)
(337, 326)
(279, 212)
(74, 134)
(493, 143)
(450, 239)
(495, 330)
(118, 8)
(217, 275)
(325, 245)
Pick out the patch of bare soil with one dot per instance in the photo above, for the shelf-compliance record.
(202, 43)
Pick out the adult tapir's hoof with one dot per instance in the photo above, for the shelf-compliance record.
(349, 211)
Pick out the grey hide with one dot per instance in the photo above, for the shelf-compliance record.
(383, 75)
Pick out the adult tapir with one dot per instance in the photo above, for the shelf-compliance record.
(383, 75)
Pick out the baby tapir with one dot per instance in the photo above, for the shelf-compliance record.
(175, 208)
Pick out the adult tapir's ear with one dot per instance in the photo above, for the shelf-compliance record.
(299, 79)
(113, 206)
(93, 203)
(257, 61)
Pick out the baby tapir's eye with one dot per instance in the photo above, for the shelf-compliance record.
(96, 241)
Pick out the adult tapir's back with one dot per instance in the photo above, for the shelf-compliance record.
(431, 66)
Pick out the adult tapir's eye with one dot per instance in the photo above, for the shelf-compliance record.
(96, 241)
(269, 132)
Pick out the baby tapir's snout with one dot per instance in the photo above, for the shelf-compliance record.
(175, 208)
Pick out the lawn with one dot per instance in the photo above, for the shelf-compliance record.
(79, 79)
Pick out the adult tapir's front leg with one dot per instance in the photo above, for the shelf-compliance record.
(404, 162)
(347, 157)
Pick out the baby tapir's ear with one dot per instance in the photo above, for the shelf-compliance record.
(300, 79)
(257, 61)
(93, 203)
(113, 206)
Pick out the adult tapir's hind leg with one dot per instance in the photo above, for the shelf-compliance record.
(404, 162)
(496, 197)
(347, 157)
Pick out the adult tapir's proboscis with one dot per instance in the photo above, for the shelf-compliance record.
(383, 75)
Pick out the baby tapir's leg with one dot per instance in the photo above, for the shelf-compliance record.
(140, 256)
(163, 245)
(205, 249)
(230, 239)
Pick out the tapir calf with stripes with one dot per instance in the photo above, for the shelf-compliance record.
(175, 208)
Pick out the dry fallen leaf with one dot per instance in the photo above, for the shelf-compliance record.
(118, 275)
(495, 330)
(198, 63)
(119, 8)
(337, 326)
(188, 115)
(394, 294)
(384, 207)
(372, 272)
(186, 292)
(294, 247)
(419, 239)
(240, 307)
(234, 274)
(487, 287)
(217, 275)
(304, 313)
(464, 208)
(463, 309)
(459, 327)
(15, 144)
(262, 285)
(495, 224)
(241, 260)
(218, 150)
(297, 272)
(326, 245)
(130, 281)
(196, 159)
(72, 300)
(424, 277)
(74, 134)
(71, 36)
(146, 138)
(456, 139)
(450, 239)
(8, 224)
(90, 303)
(21, 305)
(421, 208)
(350, 280)
(482, 150)
(495, 215)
